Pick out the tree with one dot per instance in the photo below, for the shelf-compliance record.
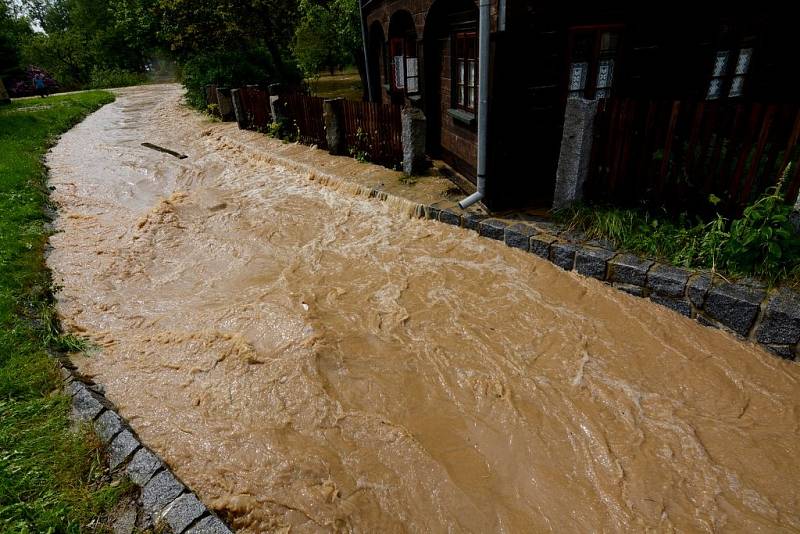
(328, 35)
(82, 37)
(229, 42)
(14, 31)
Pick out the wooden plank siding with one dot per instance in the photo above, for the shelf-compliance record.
(675, 153)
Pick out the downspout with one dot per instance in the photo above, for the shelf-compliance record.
(366, 55)
(484, 21)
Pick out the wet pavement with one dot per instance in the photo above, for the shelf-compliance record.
(312, 360)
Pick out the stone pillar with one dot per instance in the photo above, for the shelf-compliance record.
(576, 149)
(334, 125)
(238, 108)
(276, 104)
(225, 104)
(414, 126)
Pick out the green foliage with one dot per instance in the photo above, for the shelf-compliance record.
(761, 243)
(87, 36)
(106, 78)
(360, 151)
(49, 475)
(328, 35)
(225, 68)
(13, 32)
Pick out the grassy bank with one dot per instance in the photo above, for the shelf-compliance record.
(51, 479)
(762, 243)
(345, 84)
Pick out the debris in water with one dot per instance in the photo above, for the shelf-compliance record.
(162, 149)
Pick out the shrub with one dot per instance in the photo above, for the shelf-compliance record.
(225, 68)
(105, 78)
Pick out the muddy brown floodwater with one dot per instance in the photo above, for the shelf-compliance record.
(312, 360)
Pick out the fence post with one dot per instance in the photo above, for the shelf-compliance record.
(576, 150)
(225, 104)
(238, 108)
(334, 125)
(277, 105)
(413, 136)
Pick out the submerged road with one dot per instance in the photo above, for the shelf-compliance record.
(309, 360)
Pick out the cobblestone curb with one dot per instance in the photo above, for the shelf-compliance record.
(164, 500)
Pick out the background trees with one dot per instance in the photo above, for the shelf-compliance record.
(328, 35)
(230, 42)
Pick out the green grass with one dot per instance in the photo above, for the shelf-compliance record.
(345, 84)
(763, 245)
(51, 479)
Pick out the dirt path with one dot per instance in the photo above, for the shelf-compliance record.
(308, 359)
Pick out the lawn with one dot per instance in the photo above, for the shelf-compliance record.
(51, 477)
(344, 84)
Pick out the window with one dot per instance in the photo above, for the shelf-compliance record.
(593, 53)
(404, 70)
(465, 86)
(721, 74)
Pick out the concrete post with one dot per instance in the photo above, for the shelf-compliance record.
(225, 104)
(334, 125)
(576, 149)
(795, 217)
(276, 105)
(238, 108)
(414, 126)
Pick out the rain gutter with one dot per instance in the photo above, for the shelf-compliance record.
(484, 22)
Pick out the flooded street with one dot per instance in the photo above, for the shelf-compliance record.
(311, 360)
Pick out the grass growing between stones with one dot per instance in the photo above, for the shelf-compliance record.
(51, 478)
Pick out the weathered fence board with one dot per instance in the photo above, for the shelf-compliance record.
(374, 130)
(255, 102)
(306, 114)
(677, 152)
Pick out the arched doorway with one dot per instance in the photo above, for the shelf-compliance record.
(450, 79)
(377, 61)
(403, 71)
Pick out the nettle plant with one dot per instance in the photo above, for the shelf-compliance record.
(763, 240)
(360, 151)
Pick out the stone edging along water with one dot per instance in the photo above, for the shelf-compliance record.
(164, 500)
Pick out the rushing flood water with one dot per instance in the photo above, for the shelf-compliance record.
(311, 360)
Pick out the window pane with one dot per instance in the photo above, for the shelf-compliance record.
(472, 72)
(460, 95)
(471, 98)
(461, 73)
(399, 72)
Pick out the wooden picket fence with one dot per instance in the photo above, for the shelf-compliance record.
(375, 130)
(371, 130)
(255, 102)
(677, 153)
(306, 114)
